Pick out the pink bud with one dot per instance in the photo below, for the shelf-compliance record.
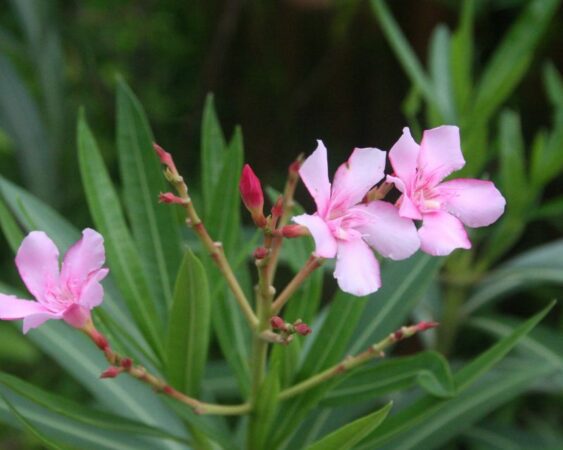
(277, 323)
(293, 231)
(302, 329)
(111, 372)
(423, 326)
(295, 166)
(165, 157)
(277, 209)
(169, 197)
(252, 195)
(126, 363)
(260, 253)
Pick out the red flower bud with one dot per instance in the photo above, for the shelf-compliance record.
(260, 253)
(293, 231)
(295, 166)
(277, 209)
(302, 329)
(126, 363)
(169, 197)
(277, 323)
(423, 326)
(111, 372)
(165, 157)
(252, 195)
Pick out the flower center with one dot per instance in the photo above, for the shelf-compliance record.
(58, 298)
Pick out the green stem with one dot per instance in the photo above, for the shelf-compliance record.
(374, 351)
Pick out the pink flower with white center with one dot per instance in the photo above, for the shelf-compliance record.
(68, 294)
(443, 207)
(345, 228)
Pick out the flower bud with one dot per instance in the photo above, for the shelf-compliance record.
(169, 197)
(423, 326)
(260, 253)
(111, 372)
(126, 363)
(293, 231)
(277, 209)
(302, 329)
(277, 323)
(252, 195)
(165, 158)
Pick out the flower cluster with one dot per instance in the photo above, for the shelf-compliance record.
(346, 224)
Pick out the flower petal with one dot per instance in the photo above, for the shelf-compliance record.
(314, 173)
(404, 157)
(477, 203)
(38, 263)
(13, 308)
(92, 293)
(440, 153)
(441, 233)
(35, 320)
(325, 244)
(390, 234)
(83, 258)
(357, 269)
(356, 177)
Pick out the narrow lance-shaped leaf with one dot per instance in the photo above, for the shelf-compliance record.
(266, 405)
(429, 370)
(188, 327)
(427, 405)
(349, 435)
(123, 258)
(154, 226)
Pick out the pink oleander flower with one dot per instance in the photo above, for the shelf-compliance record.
(69, 294)
(345, 228)
(443, 207)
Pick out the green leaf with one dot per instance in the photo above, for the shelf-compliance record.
(212, 149)
(83, 416)
(29, 427)
(540, 265)
(263, 417)
(350, 435)
(541, 342)
(553, 84)
(154, 226)
(429, 370)
(10, 228)
(422, 410)
(512, 162)
(403, 51)
(512, 58)
(189, 326)
(459, 413)
(403, 284)
(440, 73)
(20, 117)
(123, 258)
(461, 57)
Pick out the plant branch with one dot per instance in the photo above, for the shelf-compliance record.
(120, 364)
(312, 263)
(351, 362)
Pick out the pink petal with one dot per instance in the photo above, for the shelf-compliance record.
(407, 208)
(357, 269)
(314, 173)
(38, 263)
(13, 308)
(440, 153)
(404, 157)
(356, 177)
(390, 234)
(441, 233)
(477, 203)
(325, 244)
(35, 320)
(93, 293)
(84, 257)
(76, 315)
